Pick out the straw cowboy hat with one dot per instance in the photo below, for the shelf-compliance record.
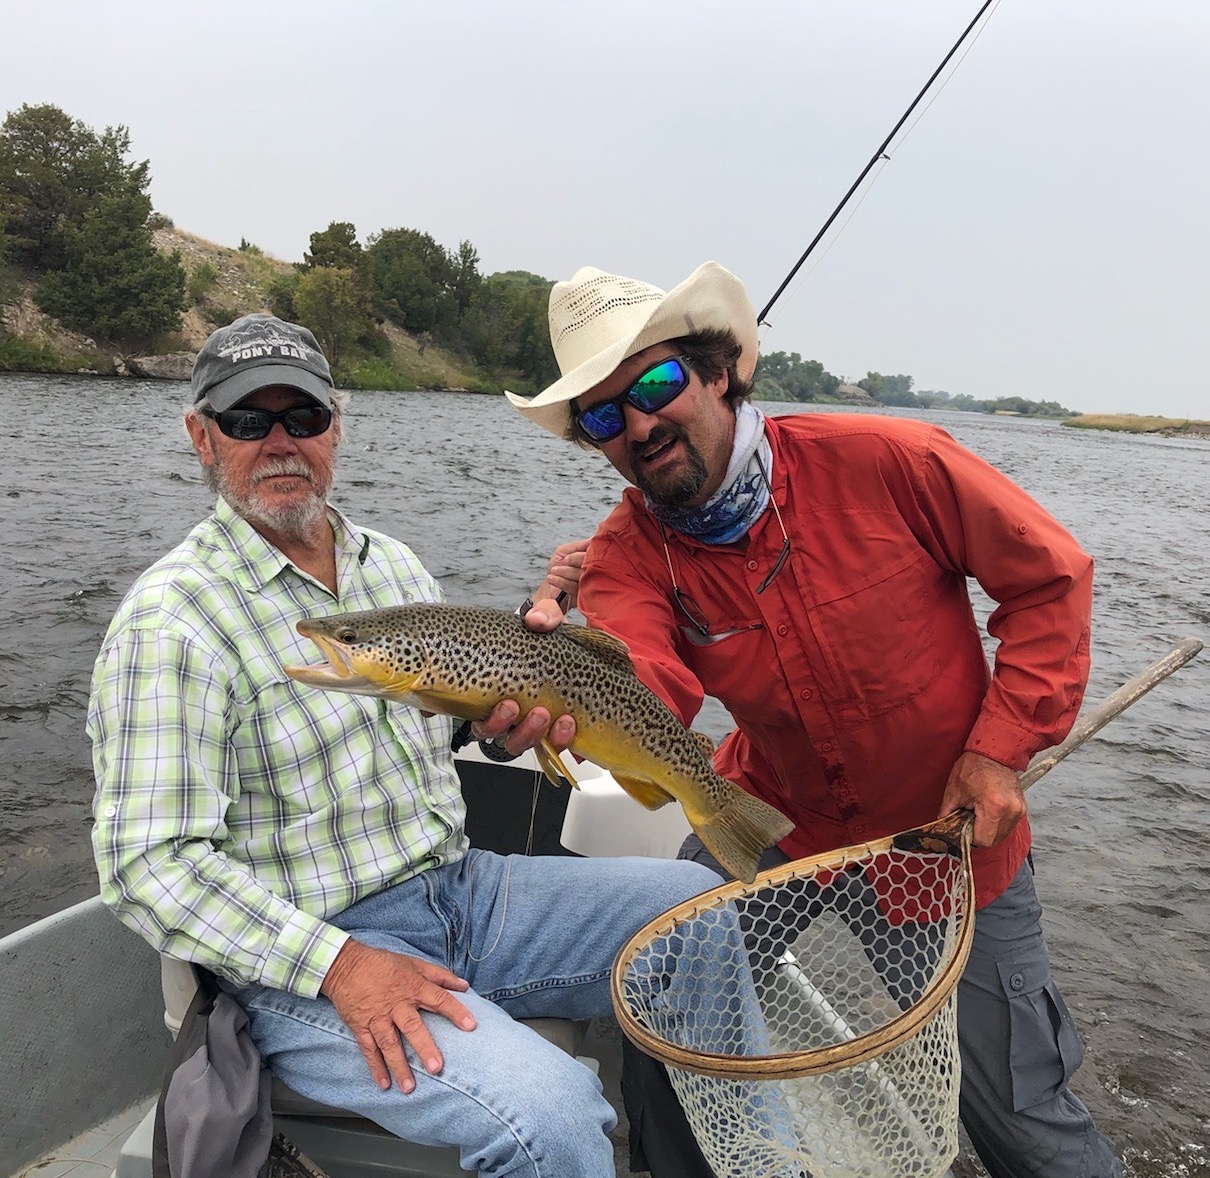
(597, 320)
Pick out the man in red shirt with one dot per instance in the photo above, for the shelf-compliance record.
(809, 571)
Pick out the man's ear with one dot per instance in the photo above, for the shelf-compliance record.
(199, 435)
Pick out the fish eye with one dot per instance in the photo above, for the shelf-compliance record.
(346, 634)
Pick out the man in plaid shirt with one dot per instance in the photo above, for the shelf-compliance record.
(309, 848)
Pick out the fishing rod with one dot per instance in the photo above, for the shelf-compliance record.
(878, 155)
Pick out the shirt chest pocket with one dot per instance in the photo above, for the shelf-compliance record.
(285, 734)
(877, 640)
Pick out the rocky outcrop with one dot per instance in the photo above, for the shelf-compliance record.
(172, 366)
(852, 394)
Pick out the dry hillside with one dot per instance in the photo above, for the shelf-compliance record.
(240, 286)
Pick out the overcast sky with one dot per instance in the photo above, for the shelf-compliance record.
(1042, 231)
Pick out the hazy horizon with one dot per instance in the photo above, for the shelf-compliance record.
(1041, 232)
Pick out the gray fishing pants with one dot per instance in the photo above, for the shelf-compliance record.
(1019, 1051)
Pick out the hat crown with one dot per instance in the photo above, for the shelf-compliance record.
(594, 309)
(255, 351)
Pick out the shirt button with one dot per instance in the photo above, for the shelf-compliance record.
(752, 566)
(1022, 529)
(805, 693)
(826, 747)
(1017, 981)
(783, 629)
(859, 829)
(111, 811)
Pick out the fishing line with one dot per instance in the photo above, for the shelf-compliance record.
(879, 155)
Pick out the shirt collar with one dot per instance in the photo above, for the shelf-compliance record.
(255, 562)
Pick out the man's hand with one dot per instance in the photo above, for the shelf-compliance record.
(521, 733)
(380, 995)
(992, 790)
(564, 569)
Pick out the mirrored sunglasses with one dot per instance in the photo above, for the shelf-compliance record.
(661, 384)
(250, 425)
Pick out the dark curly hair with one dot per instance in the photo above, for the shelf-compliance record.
(709, 354)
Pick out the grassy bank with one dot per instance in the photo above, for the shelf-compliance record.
(18, 354)
(1133, 423)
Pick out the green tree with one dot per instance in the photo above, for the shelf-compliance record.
(889, 390)
(335, 246)
(53, 169)
(466, 276)
(331, 302)
(115, 284)
(280, 295)
(782, 377)
(412, 280)
(505, 329)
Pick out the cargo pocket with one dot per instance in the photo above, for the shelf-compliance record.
(1044, 1047)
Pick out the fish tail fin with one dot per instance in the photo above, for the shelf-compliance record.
(739, 833)
(552, 765)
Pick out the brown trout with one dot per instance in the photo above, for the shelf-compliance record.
(462, 660)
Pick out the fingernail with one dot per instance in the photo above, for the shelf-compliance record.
(434, 1066)
(384, 1084)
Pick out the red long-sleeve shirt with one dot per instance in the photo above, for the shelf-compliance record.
(858, 677)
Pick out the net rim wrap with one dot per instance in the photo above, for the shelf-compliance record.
(954, 831)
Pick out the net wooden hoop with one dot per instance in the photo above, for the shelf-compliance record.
(948, 836)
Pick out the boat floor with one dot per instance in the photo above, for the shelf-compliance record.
(94, 1153)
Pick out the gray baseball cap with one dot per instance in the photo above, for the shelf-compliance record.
(257, 351)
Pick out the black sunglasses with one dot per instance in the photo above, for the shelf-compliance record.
(250, 425)
(661, 384)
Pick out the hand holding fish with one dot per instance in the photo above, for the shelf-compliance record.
(536, 726)
(992, 790)
(380, 994)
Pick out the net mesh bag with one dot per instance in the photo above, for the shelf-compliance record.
(808, 1020)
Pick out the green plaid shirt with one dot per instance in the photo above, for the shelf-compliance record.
(236, 809)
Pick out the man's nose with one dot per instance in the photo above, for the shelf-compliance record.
(638, 424)
(279, 441)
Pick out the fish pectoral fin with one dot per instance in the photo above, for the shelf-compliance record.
(430, 699)
(646, 793)
(552, 765)
(739, 833)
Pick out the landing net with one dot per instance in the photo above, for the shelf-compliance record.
(808, 1019)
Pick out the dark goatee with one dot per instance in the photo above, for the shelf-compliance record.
(674, 490)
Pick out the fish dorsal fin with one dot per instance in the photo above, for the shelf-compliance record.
(605, 646)
(705, 744)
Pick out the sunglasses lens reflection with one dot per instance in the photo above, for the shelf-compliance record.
(250, 425)
(658, 386)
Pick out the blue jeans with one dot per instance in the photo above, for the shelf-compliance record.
(534, 937)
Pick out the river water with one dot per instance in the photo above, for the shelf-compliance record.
(97, 480)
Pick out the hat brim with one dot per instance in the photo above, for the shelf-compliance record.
(711, 298)
(239, 385)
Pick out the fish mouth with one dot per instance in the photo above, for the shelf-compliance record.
(338, 672)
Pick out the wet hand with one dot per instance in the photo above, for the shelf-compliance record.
(521, 733)
(380, 994)
(993, 791)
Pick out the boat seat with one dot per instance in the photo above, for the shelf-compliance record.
(179, 983)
